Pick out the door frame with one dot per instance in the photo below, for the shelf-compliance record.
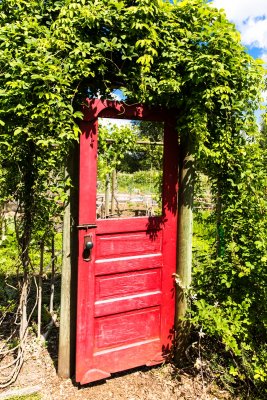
(87, 218)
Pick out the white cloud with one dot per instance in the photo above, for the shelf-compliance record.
(240, 10)
(250, 17)
(255, 33)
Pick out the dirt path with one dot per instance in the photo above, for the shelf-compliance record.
(158, 383)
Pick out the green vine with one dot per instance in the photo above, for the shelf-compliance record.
(184, 56)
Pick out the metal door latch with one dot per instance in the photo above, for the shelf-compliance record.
(87, 247)
(86, 226)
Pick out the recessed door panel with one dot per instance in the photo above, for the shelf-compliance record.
(117, 330)
(127, 243)
(111, 286)
(128, 263)
(122, 304)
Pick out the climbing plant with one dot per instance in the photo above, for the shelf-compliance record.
(230, 279)
(114, 143)
(183, 55)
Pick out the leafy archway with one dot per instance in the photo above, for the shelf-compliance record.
(185, 56)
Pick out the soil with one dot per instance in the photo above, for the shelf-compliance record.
(157, 383)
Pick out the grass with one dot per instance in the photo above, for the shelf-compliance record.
(34, 396)
(8, 251)
(9, 255)
(146, 182)
(10, 271)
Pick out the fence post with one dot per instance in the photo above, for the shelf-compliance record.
(67, 332)
(184, 246)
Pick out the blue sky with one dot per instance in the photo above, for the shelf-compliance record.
(250, 18)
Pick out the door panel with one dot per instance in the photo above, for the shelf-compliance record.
(127, 243)
(125, 313)
(126, 284)
(130, 263)
(127, 303)
(129, 327)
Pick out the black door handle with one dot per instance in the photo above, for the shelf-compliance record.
(87, 247)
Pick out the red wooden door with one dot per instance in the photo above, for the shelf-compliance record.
(126, 291)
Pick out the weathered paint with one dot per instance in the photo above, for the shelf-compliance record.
(126, 294)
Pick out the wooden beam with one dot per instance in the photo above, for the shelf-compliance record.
(144, 142)
(67, 332)
(184, 246)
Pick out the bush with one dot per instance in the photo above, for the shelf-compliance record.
(230, 279)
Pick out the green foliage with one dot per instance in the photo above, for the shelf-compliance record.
(147, 157)
(203, 234)
(145, 181)
(114, 143)
(231, 284)
(9, 254)
(184, 56)
(10, 269)
(9, 257)
(137, 165)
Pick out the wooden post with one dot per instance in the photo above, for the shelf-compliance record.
(52, 286)
(67, 332)
(184, 247)
(113, 190)
(107, 195)
(40, 289)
